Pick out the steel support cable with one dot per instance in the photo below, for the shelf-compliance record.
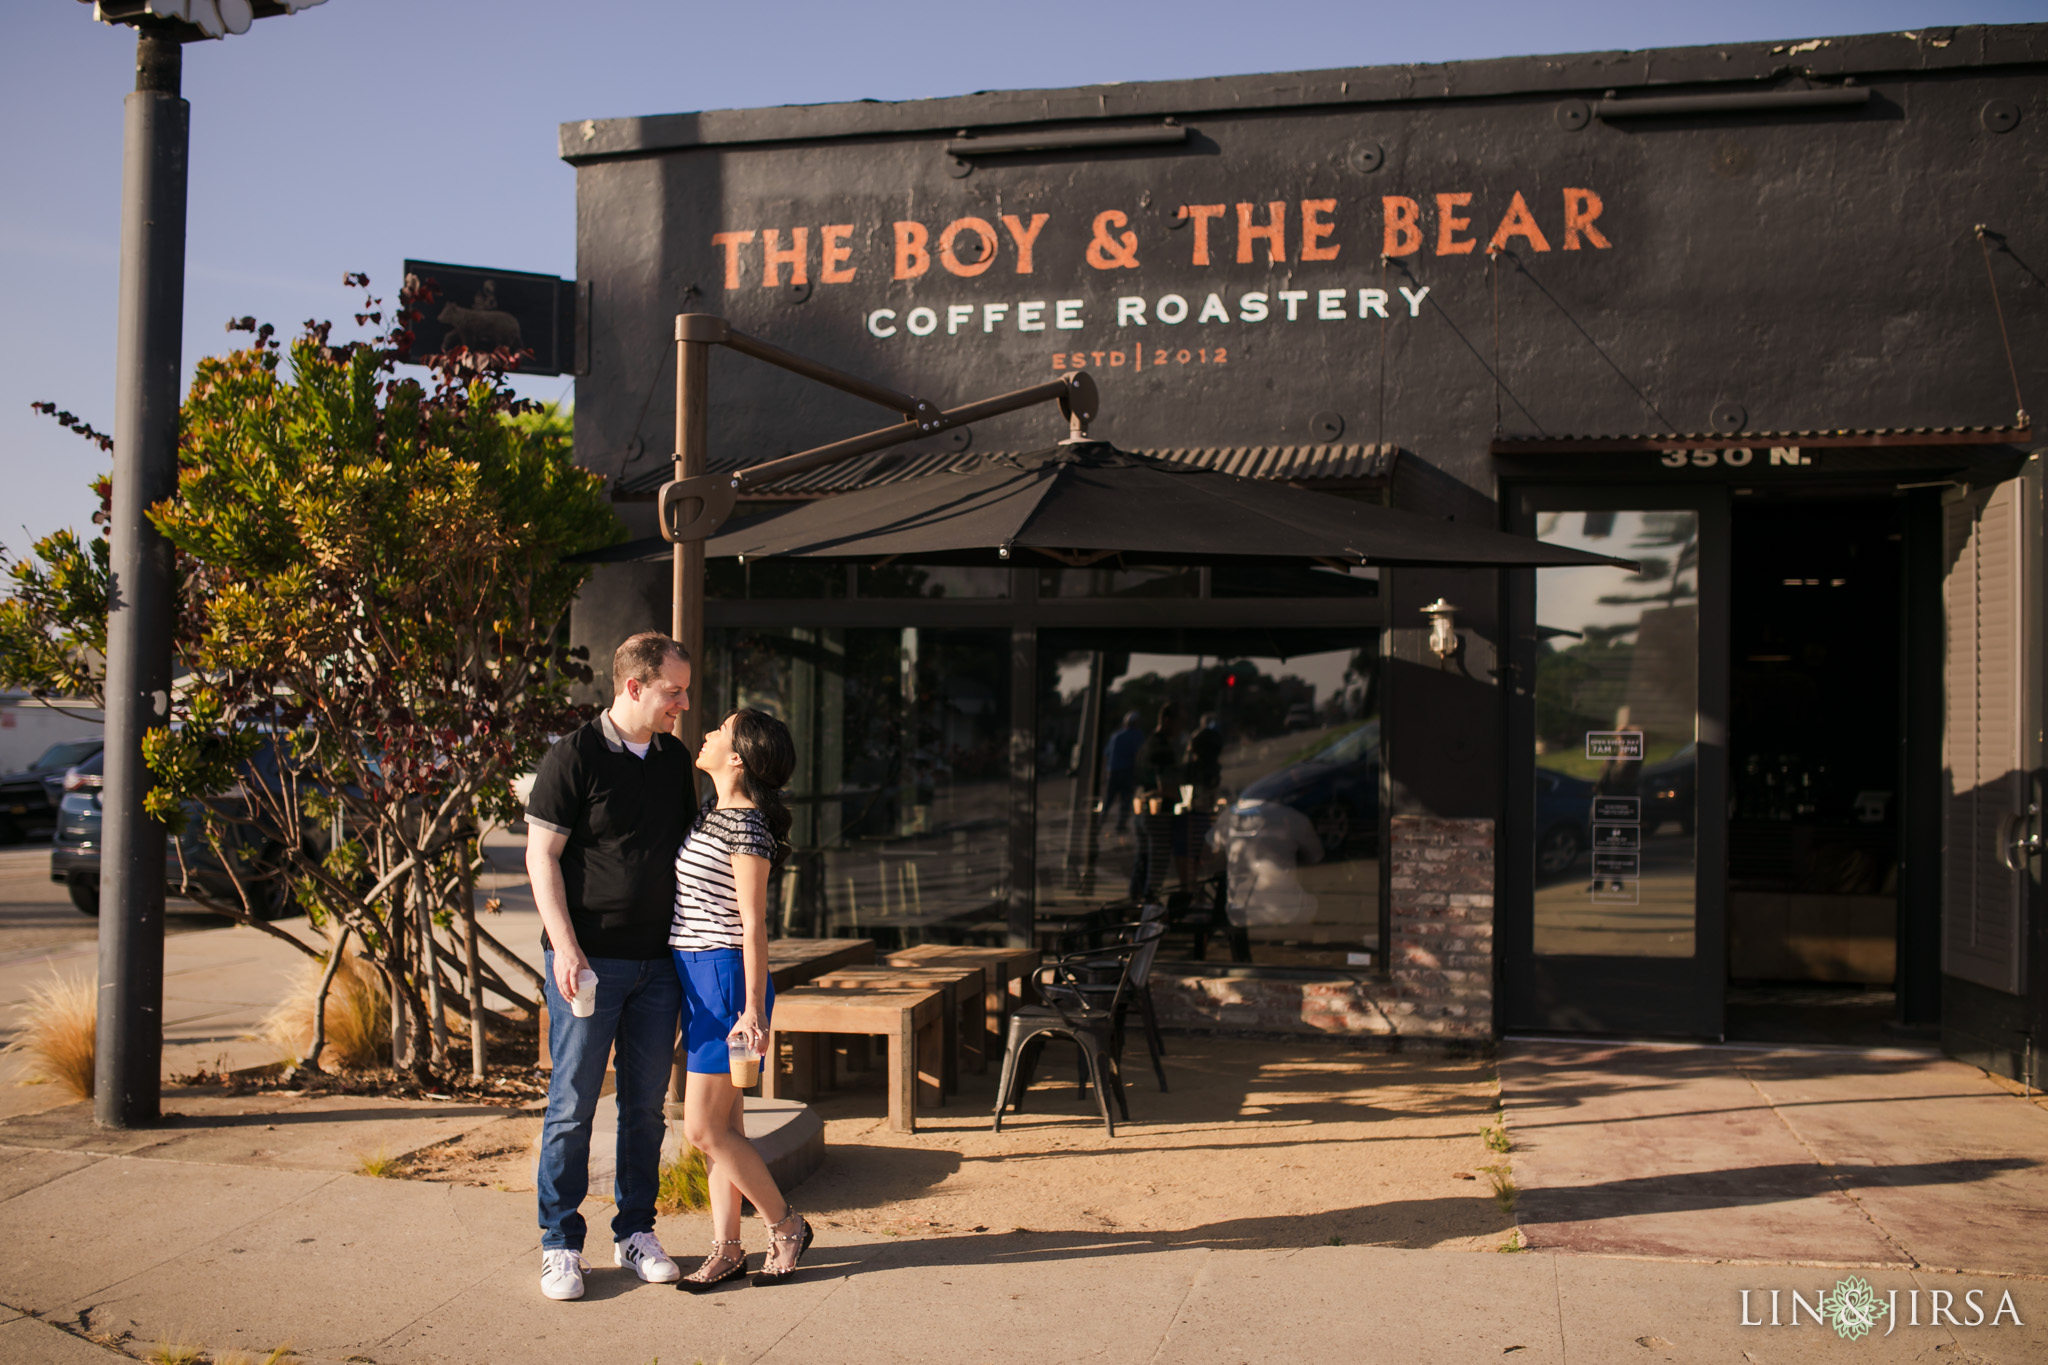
(646, 401)
(1380, 437)
(1493, 267)
(1984, 235)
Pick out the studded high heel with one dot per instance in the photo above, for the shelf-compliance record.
(736, 1266)
(802, 1237)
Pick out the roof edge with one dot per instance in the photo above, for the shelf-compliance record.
(1912, 51)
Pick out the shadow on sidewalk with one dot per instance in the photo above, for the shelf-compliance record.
(1748, 1186)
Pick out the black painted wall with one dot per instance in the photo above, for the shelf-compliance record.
(1758, 272)
(1804, 268)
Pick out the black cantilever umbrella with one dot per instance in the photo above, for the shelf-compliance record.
(1088, 502)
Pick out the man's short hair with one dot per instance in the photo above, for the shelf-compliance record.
(642, 658)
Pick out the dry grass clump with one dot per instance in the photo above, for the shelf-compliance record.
(358, 1016)
(685, 1184)
(174, 1352)
(59, 1025)
(381, 1164)
(183, 1352)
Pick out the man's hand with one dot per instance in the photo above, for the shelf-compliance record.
(569, 962)
(544, 869)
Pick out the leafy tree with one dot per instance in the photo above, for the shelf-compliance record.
(370, 634)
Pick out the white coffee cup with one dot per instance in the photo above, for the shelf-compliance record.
(583, 1004)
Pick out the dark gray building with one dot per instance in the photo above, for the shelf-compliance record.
(1763, 317)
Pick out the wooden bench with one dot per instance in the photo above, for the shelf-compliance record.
(913, 1022)
(1006, 972)
(966, 1007)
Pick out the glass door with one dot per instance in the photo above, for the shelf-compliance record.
(1617, 768)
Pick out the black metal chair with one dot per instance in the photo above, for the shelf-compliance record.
(1074, 1008)
(1205, 911)
(1099, 975)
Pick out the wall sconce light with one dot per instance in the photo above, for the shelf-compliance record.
(1443, 628)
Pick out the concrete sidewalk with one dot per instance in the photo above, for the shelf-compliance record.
(140, 1249)
(1888, 1158)
(1657, 1185)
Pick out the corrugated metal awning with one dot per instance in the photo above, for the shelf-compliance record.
(1846, 437)
(1311, 466)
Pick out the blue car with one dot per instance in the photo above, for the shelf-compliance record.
(1564, 821)
(28, 799)
(75, 851)
(1337, 787)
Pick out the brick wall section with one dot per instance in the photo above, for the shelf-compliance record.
(1238, 1004)
(1440, 985)
(1441, 958)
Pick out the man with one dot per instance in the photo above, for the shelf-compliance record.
(1120, 765)
(1205, 760)
(610, 806)
(1159, 760)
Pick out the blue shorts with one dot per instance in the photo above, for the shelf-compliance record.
(714, 993)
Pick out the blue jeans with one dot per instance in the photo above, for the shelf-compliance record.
(638, 1007)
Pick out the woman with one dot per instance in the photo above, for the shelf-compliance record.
(720, 939)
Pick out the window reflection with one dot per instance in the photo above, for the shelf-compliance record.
(901, 792)
(1617, 688)
(1234, 775)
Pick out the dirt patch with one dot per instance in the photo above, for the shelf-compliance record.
(498, 1155)
(510, 1086)
(1256, 1144)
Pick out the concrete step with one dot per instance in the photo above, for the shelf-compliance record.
(787, 1134)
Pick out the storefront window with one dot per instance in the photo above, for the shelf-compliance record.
(1617, 692)
(901, 792)
(1235, 775)
(763, 580)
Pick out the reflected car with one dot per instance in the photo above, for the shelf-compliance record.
(75, 852)
(29, 798)
(1337, 787)
(1667, 789)
(1564, 821)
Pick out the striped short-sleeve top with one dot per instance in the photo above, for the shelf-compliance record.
(707, 905)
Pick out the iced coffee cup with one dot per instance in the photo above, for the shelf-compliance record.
(745, 1062)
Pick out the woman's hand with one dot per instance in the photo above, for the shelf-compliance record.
(749, 1028)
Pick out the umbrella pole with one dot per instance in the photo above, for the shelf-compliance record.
(686, 613)
(686, 623)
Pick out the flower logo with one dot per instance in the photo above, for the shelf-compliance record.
(1853, 1309)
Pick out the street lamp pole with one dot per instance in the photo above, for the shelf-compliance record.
(129, 1045)
(129, 1053)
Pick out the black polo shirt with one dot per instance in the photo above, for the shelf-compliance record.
(625, 816)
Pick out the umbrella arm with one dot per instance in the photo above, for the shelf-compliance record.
(695, 504)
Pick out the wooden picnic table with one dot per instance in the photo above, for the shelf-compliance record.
(795, 961)
(1005, 973)
(966, 1006)
(912, 1020)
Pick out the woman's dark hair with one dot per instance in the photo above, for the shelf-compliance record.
(767, 759)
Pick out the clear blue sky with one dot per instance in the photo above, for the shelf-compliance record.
(364, 131)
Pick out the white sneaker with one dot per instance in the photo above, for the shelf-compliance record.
(643, 1253)
(561, 1273)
